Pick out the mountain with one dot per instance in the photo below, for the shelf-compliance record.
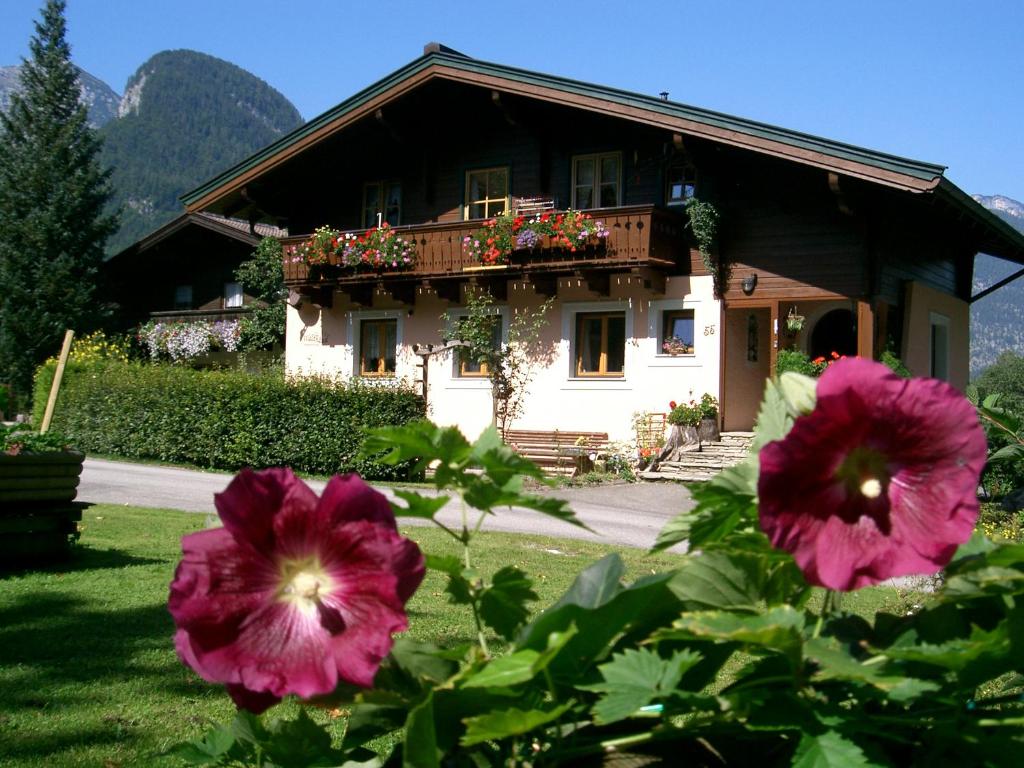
(97, 96)
(997, 321)
(184, 117)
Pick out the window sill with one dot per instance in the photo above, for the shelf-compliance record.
(675, 361)
(599, 383)
(466, 382)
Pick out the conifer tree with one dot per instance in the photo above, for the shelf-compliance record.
(52, 198)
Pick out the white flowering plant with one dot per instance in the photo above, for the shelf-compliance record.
(178, 341)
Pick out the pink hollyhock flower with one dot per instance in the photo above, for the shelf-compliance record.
(294, 594)
(880, 480)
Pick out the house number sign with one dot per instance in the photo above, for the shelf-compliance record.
(709, 330)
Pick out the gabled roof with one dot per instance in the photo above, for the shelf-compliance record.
(439, 62)
(236, 229)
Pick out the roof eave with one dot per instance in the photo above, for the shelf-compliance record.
(881, 168)
(1009, 239)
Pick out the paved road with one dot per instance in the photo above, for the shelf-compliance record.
(628, 515)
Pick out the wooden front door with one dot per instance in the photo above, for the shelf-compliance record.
(748, 353)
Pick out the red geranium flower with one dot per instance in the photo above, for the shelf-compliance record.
(294, 594)
(880, 480)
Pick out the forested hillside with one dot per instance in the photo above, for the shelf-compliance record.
(185, 116)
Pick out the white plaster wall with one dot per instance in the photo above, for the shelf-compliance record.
(325, 342)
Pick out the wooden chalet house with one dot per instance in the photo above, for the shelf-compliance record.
(867, 248)
(185, 270)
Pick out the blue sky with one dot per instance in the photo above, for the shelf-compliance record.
(935, 80)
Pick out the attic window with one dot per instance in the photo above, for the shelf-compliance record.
(183, 297)
(486, 193)
(384, 198)
(596, 181)
(232, 295)
(681, 183)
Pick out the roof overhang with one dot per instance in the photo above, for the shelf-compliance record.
(182, 222)
(993, 234)
(880, 168)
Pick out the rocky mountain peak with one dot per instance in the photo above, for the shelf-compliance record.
(1002, 203)
(99, 98)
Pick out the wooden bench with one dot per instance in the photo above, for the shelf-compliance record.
(559, 452)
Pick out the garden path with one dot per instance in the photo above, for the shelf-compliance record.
(627, 514)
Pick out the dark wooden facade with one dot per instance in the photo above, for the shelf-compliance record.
(195, 251)
(819, 224)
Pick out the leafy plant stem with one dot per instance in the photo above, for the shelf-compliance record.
(467, 559)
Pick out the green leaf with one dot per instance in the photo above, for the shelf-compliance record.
(1008, 453)
(444, 563)
(635, 678)
(779, 629)
(835, 663)
(717, 579)
(417, 505)
(247, 727)
(723, 504)
(957, 654)
(773, 418)
(300, 743)
(596, 585)
(503, 603)
(508, 722)
(828, 750)
(504, 671)
(601, 609)
(980, 582)
(420, 745)
(207, 750)
(799, 392)
(421, 661)
(482, 493)
(521, 666)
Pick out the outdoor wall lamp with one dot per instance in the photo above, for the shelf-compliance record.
(749, 284)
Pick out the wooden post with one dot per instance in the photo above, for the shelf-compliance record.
(865, 330)
(57, 376)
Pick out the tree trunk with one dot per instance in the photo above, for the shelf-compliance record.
(680, 440)
(708, 432)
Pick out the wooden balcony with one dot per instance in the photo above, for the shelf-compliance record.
(640, 236)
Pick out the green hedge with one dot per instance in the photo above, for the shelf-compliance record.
(223, 419)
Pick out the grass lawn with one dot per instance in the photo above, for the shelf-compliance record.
(88, 674)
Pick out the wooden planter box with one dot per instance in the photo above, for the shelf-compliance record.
(38, 512)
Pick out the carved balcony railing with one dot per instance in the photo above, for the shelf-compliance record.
(639, 236)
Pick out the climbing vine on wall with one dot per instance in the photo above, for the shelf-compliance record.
(704, 221)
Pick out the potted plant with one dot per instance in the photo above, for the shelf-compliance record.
(675, 345)
(39, 475)
(794, 322)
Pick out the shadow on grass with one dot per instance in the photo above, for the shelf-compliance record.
(71, 666)
(81, 559)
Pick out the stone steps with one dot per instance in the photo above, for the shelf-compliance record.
(702, 465)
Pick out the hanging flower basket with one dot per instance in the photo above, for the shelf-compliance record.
(794, 323)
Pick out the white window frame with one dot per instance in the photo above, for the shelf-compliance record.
(702, 348)
(454, 314)
(569, 325)
(467, 203)
(355, 340)
(596, 157)
(938, 360)
(234, 296)
(689, 172)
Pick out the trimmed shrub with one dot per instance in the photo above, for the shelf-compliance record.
(223, 419)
